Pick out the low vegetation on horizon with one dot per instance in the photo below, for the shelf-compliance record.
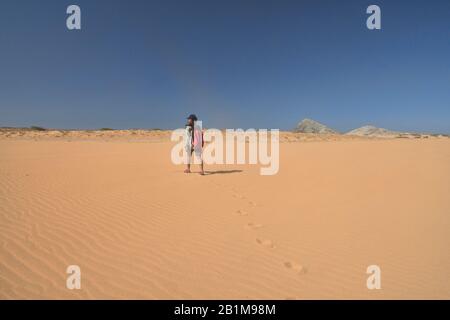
(37, 128)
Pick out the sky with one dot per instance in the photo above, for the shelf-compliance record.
(236, 64)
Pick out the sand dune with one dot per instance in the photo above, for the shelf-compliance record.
(141, 229)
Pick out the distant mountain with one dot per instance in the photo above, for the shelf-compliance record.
(311, 126)
(371, 131)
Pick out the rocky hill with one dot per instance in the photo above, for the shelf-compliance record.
(311, 126)
(372, 131)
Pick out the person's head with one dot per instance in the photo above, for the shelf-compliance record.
(191, 119)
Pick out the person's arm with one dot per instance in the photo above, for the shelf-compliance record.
(188, 137)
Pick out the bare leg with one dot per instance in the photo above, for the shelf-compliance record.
(188, 165)
(201, 167)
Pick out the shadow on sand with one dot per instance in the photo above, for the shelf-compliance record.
(207, 173)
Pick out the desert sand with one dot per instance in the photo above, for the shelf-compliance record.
(139, 228)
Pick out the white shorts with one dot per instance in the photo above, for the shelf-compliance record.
(198, 155)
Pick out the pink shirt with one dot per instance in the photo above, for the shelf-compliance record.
(198, 138)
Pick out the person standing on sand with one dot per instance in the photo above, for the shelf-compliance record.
(194, 142)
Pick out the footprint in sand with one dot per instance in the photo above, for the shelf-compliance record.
(266, 243)
(298, 268)
(242, 213)
(253, 226)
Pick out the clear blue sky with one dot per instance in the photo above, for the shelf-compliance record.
(246, 63)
